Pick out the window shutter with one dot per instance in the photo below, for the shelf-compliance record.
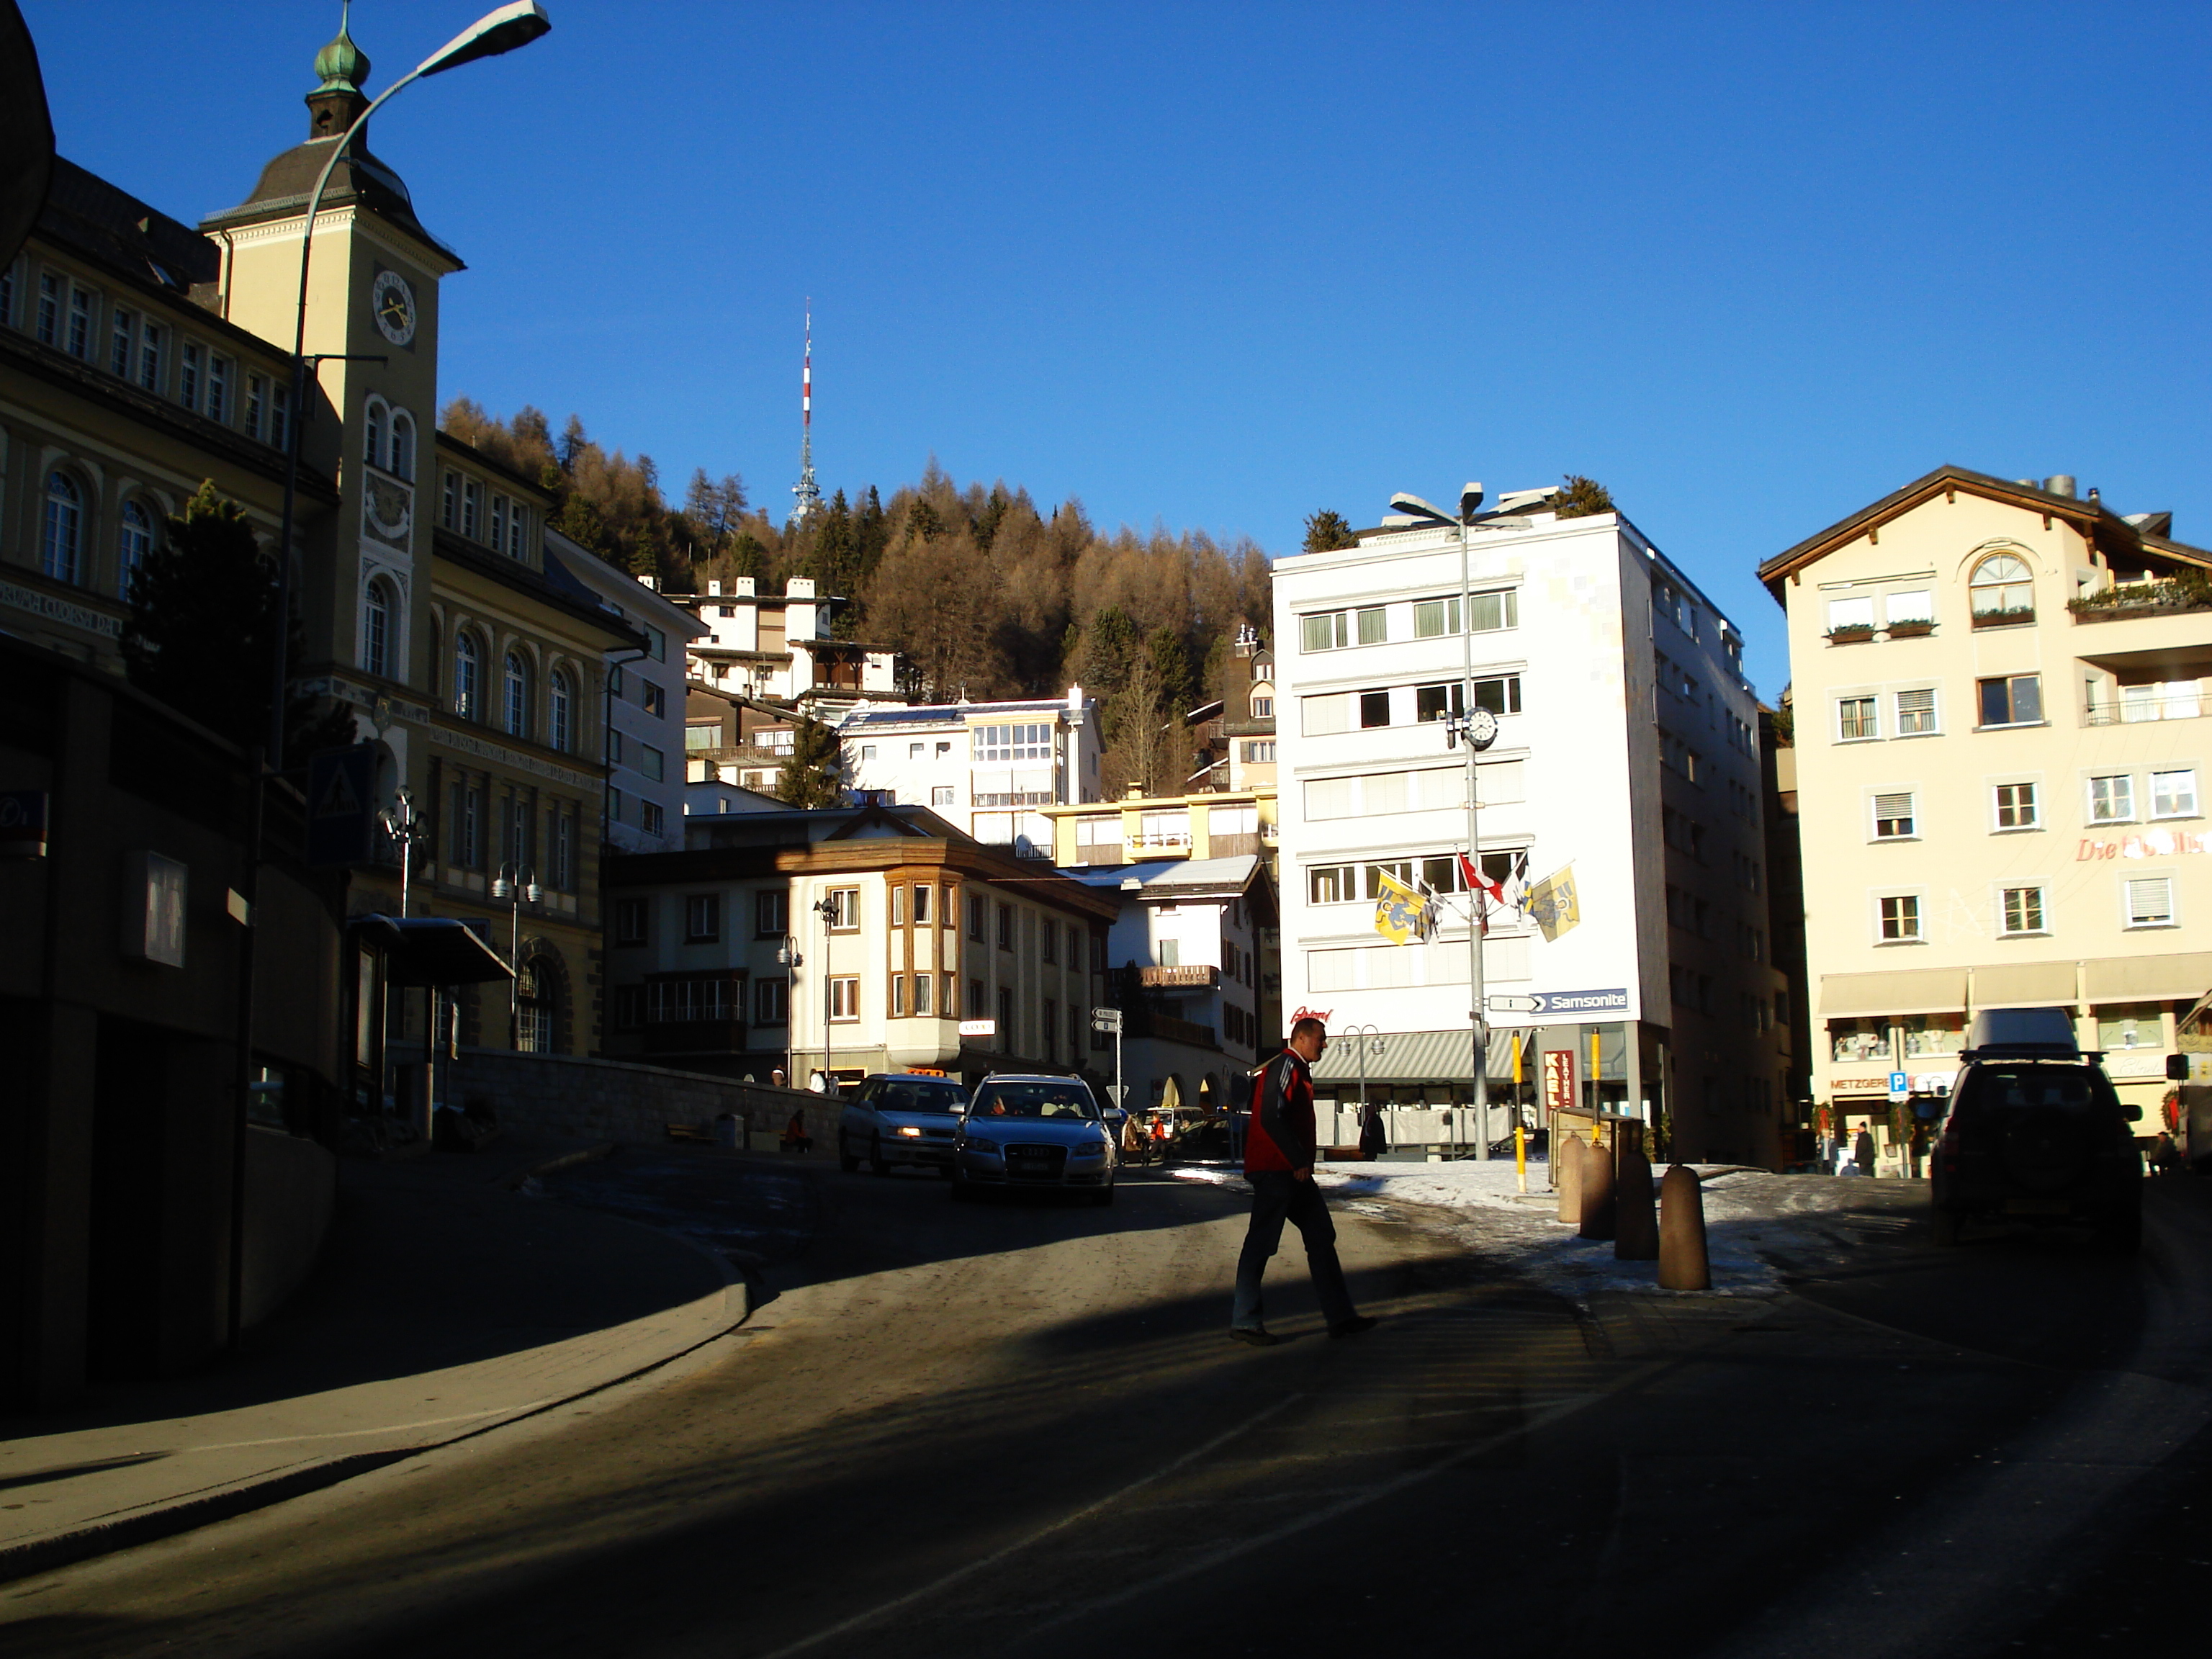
(2150, 900)
(1896, 809)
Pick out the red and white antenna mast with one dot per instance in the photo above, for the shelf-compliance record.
(809, 498)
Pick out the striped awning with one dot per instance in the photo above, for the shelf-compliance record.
(1421, 1057)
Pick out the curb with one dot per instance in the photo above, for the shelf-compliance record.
(513, 1180)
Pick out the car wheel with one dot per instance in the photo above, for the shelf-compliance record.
(962, 1192)
(878, 1163)
(1103, 1196)
(846, 1161)
(1943, 1227)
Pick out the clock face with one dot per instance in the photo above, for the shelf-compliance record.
(393, 304)
(1482, 728)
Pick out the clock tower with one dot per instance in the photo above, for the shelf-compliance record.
(361, 540)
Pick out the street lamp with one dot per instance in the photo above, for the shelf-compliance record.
(826, 908)
(497, 31)
(516, 883)
(405, 825)
(789, 956)
(1479, 728)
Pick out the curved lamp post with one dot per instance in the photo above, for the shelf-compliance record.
(1470, 501)
(518, 884)
(1371, 1041)
(498, 31)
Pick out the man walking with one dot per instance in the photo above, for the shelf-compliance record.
(1279, 1160)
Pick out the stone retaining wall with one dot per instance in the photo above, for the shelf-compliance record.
(618, 1099)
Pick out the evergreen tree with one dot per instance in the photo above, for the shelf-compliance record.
(1583, 497)
(1171, 663)
(1326, 533)
(202, 621)
(814, 775)
(1109, 646)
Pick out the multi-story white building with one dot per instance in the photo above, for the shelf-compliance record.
(779, 645)
(987, 768)
(2000, 767)
(1627, 754)
(645, 703)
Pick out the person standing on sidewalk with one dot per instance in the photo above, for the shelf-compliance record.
(1279, 1160)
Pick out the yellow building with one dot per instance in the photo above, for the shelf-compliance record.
(2001, 764)
(138, 357)
(1212, 825)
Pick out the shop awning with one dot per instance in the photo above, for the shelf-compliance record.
(430, 950)
(2026, 985)
(2184, 975)
(1423, 1057)
(1919, 991)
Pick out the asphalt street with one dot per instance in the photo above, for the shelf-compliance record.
(1018, 1428)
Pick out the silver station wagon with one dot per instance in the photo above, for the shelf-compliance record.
(901, 1118)
(1044, 1131)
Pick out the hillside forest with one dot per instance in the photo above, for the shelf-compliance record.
(984, 594)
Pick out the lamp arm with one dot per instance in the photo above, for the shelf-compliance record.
(315, 203)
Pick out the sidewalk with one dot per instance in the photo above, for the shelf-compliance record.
(448, 1302)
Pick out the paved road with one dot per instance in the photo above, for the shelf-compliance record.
(1016, 1428)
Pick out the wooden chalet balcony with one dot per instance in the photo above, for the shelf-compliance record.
(1200, 976)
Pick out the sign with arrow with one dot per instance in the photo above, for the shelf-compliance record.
(340, 785)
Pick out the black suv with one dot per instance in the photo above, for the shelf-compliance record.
(2036, 1134)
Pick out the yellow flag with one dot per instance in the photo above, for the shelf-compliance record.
(1400, 914)
(1553, 904)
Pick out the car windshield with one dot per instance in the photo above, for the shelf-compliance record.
(1068, 1100)
(911, 1095)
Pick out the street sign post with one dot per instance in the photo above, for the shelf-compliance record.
(1109, 1019)
(1900, 1088)
(1513, 1005)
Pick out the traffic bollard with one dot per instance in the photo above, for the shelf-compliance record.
(1597, 1220)
(1636, 1221)
(1570, 1152)
(1683, 1262)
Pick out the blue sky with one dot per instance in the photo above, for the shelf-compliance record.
(1219, 265)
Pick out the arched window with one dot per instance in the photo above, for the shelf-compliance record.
(561, 710)
(62, 549)
(376, 630)
(467, 688)
(133, 542)
(537, 1004)
(403, 444)
(2003, 590)
(372, 441)
(516, 700)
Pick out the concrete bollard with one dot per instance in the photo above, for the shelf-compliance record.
(1569, 1152)
(1597, 1218)
(1683, 1262)
(1635, 1220)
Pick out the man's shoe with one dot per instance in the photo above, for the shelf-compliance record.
(1353, 1326)
(1254, 1335)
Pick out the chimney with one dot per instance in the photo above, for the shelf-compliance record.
(713, 588)
(744, 588)
(1075, 696)
(2059, 484)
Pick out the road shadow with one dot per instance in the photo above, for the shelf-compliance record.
(429, 1265)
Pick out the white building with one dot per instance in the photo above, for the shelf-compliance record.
(645, 704)
(779, 645)
(1627, 753)
(984, 767)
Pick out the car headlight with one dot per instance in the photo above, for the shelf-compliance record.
(1095, 1149)
(981, 1148)
(910, 1131)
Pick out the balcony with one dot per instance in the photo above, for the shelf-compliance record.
(2126, 601)
(2160, 703)
(1197, 976)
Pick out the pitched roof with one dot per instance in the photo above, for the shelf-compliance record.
(2102, 526)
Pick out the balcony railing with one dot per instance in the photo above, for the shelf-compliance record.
(2183, 706)
(1196, 976)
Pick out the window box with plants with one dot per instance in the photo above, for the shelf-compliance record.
(1910, 631)
(2013, 616)
(1850, 633)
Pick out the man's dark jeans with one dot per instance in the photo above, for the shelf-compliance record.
(1278, 1196)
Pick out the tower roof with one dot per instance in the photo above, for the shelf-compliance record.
(359, 179)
